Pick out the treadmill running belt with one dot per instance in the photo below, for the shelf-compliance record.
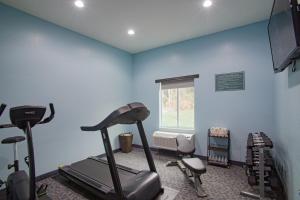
(99, 171)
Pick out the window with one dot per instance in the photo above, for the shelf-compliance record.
(177, 106)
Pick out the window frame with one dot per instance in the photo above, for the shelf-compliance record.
(176, 129)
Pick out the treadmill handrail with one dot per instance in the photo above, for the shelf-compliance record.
(129, 114)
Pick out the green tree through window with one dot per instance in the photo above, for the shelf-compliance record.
(177, 108)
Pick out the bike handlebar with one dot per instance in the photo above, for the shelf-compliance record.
(2, 108)
(46, 120)
(51, 116)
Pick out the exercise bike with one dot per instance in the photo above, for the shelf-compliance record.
(19, 186)
(42, 189)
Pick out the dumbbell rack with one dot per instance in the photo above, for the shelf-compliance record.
(259, 164)
(213, 149)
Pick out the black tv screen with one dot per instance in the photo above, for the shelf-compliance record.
(284, 32)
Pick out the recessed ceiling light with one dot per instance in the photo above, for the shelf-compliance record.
(79, 3)
(207, 3)
(131, 32)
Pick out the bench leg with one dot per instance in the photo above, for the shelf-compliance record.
(198, 185)
(188, 173)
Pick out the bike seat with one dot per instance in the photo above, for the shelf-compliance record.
(11, 140)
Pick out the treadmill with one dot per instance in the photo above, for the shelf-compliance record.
(106, 179)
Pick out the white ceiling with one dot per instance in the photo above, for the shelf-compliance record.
(157, 22)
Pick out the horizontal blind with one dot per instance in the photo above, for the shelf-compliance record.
(177, 84)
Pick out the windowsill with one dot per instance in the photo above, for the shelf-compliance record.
(177, 130)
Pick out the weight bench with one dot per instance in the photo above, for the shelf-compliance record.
(194, 168)
(191, 167)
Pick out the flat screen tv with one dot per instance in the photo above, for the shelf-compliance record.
(284, 33)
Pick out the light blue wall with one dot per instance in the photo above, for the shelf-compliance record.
(241, 49)
(287, 132)
(41, 63)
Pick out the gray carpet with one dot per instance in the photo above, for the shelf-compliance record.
(219, 183)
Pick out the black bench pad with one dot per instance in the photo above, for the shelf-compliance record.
(11, 140)
(194, 165)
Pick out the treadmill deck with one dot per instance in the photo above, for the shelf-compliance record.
(95, 172)
(93, 175)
